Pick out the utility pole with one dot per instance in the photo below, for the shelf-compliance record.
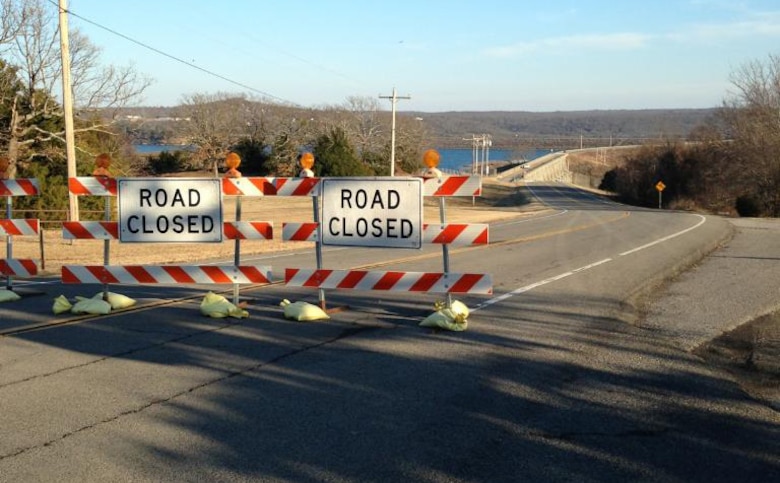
(67, 104)
(393, 100)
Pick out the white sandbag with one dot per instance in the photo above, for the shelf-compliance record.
(303, 311)
(61, 305)
(116, 300)
(91, 306)
(217, 306)
(8, 296)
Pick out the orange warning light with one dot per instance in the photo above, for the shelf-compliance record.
(307, 160)
(431, 158)
(232, 161)
(102, 163)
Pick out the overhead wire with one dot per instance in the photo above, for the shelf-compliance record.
(173, 57)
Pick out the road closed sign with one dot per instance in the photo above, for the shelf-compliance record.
(372, 212)
(186, 210)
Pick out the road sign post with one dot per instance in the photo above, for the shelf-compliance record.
(660, 186)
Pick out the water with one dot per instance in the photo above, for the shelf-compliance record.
(158, 148)
(451, 159)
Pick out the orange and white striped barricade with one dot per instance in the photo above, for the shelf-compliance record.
(109, 230)
(11, 267)
(270, 186)
(453, 234)
(166, 274)
(434, 282)
(445, 234)
(233, 184)
(155, 274)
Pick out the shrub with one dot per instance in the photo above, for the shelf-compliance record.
(747, 205)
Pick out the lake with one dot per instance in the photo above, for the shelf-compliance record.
(451, 159)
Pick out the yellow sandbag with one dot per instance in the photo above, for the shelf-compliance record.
(8, 296)
(303, 311)
(459, 308)
(91, 306)
(61, 305)
(456, 306)
(446, 319)
(217, 306)
(116, 300)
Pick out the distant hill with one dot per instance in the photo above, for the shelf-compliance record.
(517, 128)
(521, 129)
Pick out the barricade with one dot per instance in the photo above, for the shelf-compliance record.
(233, 185)
(108, 230)
(11, 267)
(460, 234)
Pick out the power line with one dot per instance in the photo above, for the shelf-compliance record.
(177, 59)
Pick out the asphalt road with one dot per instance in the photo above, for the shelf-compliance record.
(553, 380)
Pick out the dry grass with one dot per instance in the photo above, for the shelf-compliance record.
(499, 201)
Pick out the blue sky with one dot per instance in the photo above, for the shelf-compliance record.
(517, 55)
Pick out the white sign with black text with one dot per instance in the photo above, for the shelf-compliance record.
(372, 212)
(180, 210)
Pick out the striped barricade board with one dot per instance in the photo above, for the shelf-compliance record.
(270, 186)
(455, 234)
(92, 186)
(473, 283)
(109, 230)
(21, 267)
(26, 227)
(453, 186)
(166, 274)
(19, 187)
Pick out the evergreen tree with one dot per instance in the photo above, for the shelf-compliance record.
(335, 156)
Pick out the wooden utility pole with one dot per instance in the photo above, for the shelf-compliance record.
(67, 104)
(393, 99)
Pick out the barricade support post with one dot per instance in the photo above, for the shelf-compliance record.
(10, 188)
(233, 161)
(102, 163)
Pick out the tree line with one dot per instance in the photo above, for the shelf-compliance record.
(730, 164)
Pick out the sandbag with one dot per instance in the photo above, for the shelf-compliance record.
(303, 311)
(91, 306)
(61, 305)
(456, 306)
(217, 306)
(8, 296)
(116, 300)
(446, 319)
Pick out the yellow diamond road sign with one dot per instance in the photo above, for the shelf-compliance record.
(660, 186)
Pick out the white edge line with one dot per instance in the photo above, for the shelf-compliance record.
(666, 238)
(526, 288)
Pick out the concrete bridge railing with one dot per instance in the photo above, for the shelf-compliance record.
(550, 167)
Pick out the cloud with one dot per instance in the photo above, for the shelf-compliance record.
(599, 42)
(765, 24)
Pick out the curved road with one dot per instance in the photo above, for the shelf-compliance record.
(552, 381)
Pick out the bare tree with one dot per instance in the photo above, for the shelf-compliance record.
(214, 123)
(752, 114)
(32, 48)
(364, 127)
